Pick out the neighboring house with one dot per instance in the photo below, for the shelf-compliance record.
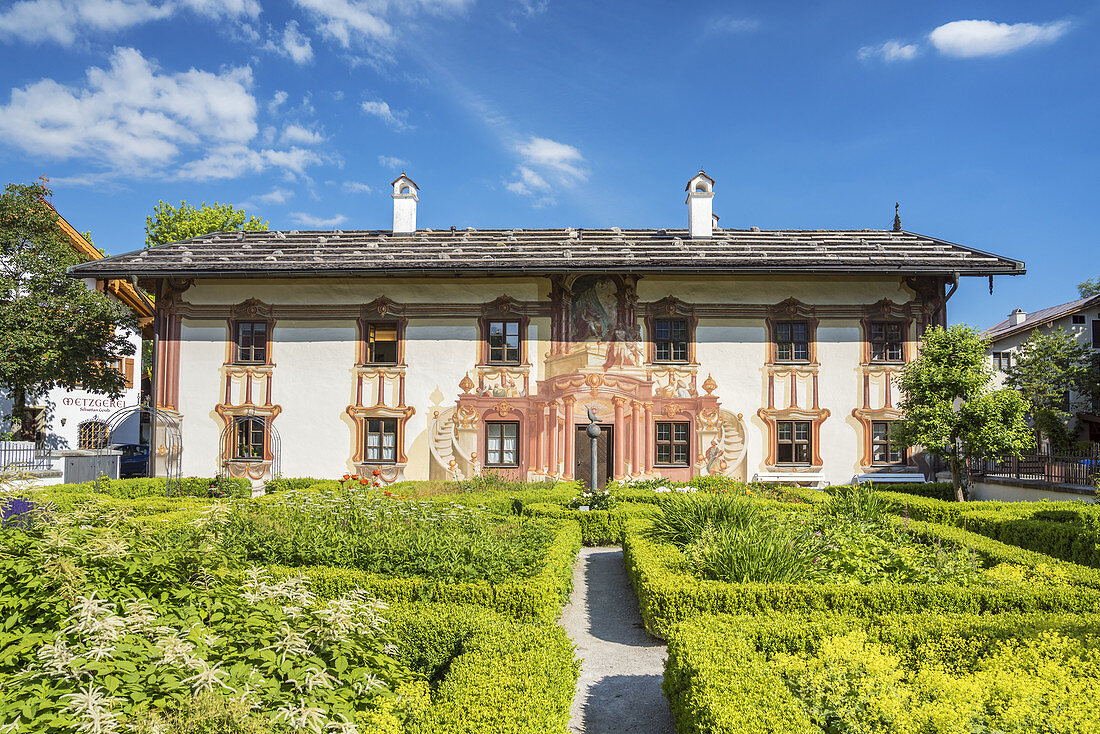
(444, 353)
(1080, 318)
(76, 419)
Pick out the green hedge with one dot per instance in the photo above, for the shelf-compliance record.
(155, 487)
(539, 597)
(718, 678)
(491, 674)
(598, 527)
(668, 594)
(937, 490)
(1066, 530)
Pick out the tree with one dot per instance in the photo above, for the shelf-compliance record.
(1090, 287)
(949, 406)
(172, 224)
(54, 330)
(1047, 370)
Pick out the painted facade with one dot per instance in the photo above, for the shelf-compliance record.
(435, 354)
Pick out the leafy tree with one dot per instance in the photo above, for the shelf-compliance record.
(949, 406)
(172, 224)
(1048, 368)
(54, 331)
(1090, 287)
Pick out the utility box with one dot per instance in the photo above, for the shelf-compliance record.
(86, 466)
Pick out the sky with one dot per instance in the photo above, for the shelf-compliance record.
(980, 118)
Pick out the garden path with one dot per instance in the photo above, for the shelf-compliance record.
(620, 682)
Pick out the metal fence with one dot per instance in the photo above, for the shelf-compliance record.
(1058, 467)
(25, 456)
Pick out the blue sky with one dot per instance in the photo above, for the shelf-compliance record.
(981, 118)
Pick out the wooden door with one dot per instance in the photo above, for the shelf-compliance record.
(604, 456)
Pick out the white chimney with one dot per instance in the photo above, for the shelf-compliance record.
(404, 205)
(1017, 317)
(700, 217)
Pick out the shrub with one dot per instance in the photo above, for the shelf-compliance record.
(907, 673)
(598, 527)
(858, 502)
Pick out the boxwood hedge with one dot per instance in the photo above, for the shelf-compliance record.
(718, 678)
(598, 527)
(667, 593)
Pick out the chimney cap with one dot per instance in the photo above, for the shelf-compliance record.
(701, 175)
(398, 185)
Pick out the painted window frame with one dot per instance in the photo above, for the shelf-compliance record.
(501, 427)
(238, 338)
(811, 335)
(892, 350)
(369, 328)
(671, 343)
(247, 427)
(672, 443)
(505, 348)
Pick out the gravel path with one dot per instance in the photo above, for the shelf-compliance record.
(620, 683)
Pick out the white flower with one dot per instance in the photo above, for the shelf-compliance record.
(292, 643)
(92, 706)
(342, 727)
(57, 659)
(662, 489)
(206, 678)
(302, 717)
(139, 614)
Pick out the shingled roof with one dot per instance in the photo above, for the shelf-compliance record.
(506, 251)
(1039, 318)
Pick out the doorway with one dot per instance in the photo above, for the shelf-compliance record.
(604, 456)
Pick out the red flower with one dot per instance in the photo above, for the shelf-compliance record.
(388, 494)
(347, 477)
(363, 481)
(354, 476)
(376, 472)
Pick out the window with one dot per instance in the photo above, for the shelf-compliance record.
(883, 448)
(886, 341)
(1002, 361)
(250, 439)
(672, 444)
(502, 444)
(1096, 334)
(793, 442)
(1079, 319)
(381, 440)
(382, 343)
(792, 341)
(92, 435)
(252, 342)
(504, 342)
(670, 340)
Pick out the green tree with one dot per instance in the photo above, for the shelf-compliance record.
(1090, 287)
(1048, 368)
(950, 408)
(54, 330)
(172, 224)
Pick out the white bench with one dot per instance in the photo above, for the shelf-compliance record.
(814, 479)
(891, 478)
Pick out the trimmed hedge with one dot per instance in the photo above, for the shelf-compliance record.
(598, 527)
(1066, 530)
(491, 674)
(718, 679)
(944, 491)
(538, 598)
(154, 487)
(668, 594)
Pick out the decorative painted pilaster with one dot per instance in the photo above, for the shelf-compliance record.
(619, 431)
(554, 458)
(648, 444)
(570, 437)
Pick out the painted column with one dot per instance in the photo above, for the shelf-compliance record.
(533, 441)
(619, 443)
(639, 440)
(570, 437)
(553, 459)
(646, 430)
(540, 429)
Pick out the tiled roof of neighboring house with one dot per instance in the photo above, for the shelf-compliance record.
(1039, 318)
(499, 251)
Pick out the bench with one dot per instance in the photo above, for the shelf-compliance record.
(813, 479)
(891, 478)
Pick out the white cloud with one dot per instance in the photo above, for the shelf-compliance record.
(136, 120)
(732, 25)
(301, 135)
(546, 165)
(277, 101)
(970, 38)
(275, 196)
(63, 21)
(354, 187)
(369, 22)
(382, 110)
(308, 220)
(296, 45)
(389, 161)
(890, 51)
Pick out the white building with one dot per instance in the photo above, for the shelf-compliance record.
(1081, 318)
(422, 353)
(75, 420)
